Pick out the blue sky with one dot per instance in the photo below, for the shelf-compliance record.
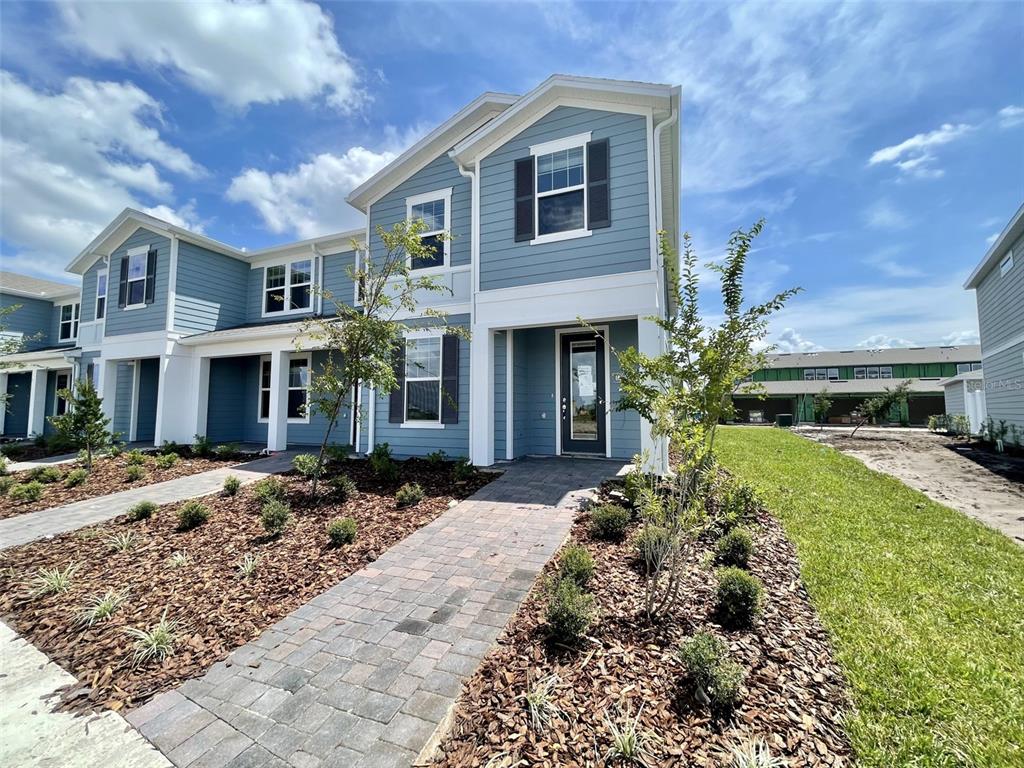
(884, 144)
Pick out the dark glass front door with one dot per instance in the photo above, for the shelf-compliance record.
(582, 398)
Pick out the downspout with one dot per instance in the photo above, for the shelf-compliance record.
(659, 211)
(474, 261)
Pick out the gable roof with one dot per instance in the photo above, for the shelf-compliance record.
(477, 113)
(1009, 235)
(34, 288)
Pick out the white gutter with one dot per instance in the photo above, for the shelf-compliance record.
(659, 212)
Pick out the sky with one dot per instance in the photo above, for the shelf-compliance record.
(882, 143)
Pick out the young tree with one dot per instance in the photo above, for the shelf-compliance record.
(881, 404)
(822, 403)
(83, 424)
(686, 391)
(361, 341)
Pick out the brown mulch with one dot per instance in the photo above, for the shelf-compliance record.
(793, 698)
(216, 609)
(108, 475)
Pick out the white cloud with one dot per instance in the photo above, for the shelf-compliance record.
(959, 338)
(883, 341)
(72, 159)
(239, 52)
(1011, 116)
(791, 341)
(887, 262)
(991, 238)
(914, 156)
(186, 216)
(882, 214)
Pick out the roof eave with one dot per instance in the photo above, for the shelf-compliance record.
(1009, 235)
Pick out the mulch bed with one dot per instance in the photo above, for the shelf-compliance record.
(793, 697)
(217, 610)
(108, 475)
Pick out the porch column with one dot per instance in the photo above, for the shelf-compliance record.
(3, 400)
(37, 402)
(173, 399)
(650, 341)
(199, 396)
(277, 423)
(481, 397)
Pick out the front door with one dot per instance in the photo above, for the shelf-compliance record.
(582, 398)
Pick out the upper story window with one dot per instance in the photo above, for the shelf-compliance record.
(136, 295)
(821, 374)
(434, 210)
(101, 294)
(860, 373)
(1006, 264)
(963, 367)
(560, 191)
(138, 278)
(69, 322)
(975, 366)
(288, 287)
(885, 372)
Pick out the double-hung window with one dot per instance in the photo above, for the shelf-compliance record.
(561, 191)
(873, 372)
(69, 321)
(434, 210)
(136, 289)
(885, 372)
(423, 379)
(298, 389)
(60, 405)
(963, 367)
(288, 287)
(101, 294)
(860, 373)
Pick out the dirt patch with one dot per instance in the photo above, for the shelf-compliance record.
(793, 696)
(108, 475)
(215, 607)
(986, 486)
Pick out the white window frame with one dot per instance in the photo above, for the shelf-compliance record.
(105, 274)
(429, 197)
(143, 252)
(408, 423)
(976, 367)
(260, 389)
(862, 370)
(885, 371)
(558, 145)
(76, 313)
(286, 304)
(829, 374)
(876, 371)
(1006, 263)
(963, 368)
(56, 391)
(810, 374)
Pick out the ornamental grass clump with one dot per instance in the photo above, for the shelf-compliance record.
(275, 516)
(576, 563)
(134, 473)
(630, 743)
(231, 485)
(75, 477)
(247, 566)
(141, 511)
(45, 475)
(135, 458)
(341, 531)
(101, 607)
(269, 489)
(155, 643)
(343, 487)
(739, 596)
(32, 491)
(715, 678)
(166, 460)
(570, 612)
(409, 495)
(191, 515)
(755, 754)
(735, 548)
(540, 703)
(609, 522)
(53, 581)
(122, 541)
(179, 559)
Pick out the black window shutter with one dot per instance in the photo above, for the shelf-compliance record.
(151, 276)
(599, 203)
(450, 379)
(122, 287)
(396, 406)
(524, 199)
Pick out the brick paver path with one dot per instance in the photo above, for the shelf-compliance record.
(364, 673)
(48, 522)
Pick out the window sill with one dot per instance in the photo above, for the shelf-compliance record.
(290, 421)
(556, 237)
(135, 306)
(289, 313)
(422, 425)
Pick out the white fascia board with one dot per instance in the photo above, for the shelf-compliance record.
(1006, 238)
(339, 242)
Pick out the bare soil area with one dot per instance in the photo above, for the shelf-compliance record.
(965, 476)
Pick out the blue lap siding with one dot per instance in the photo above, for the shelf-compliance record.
(33, 317)
(152, 317)
(210, 290)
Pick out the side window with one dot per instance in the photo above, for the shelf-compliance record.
(434, 210)
(833, 374)
(1006, 264)
(423, 379)
(288, 287)
(298, 389)
(69, 321)
(101, 294)
(136, 296)
(885, 372)
(963, 367)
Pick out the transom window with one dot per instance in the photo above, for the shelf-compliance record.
(423, 379)
(561, 191)
(298, 389)
(434, 210)
(288, 287)
(101, 294)
(69, 321)
(136, 291)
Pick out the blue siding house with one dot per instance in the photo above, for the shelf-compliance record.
(551, 201)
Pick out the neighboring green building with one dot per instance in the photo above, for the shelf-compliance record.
(790, 382)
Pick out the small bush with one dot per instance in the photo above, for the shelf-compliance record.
(735, 548)
(46, 475)
(576, 563)
(135, 458)
(437, 458)
(4, 461)
(32, 491)
(226, 450)
(570, 612)
(338, 453)
(191, 515)
(275, 516)
(306, 465)
(341, 530)
(609, 522)
(463, 471)
(5, 484)
(635, 485)
(654, 545)
(382, 465)
(155, 643)
(725, 687)
(269, 489)
(166, 460)
(715, 678)
(380, 451)
(141, 511)
(409, 495)
(133, 473)
(75, 477)
(231, 485)
(114, 450)
(54, 581)
(343, 487)
(739, 597)
(201, 446)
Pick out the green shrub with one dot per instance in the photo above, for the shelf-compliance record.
(343, 487)
(231, 485)
(226, 450)
(269, 489)
(437, 458)
(609, 521)
(191, 515)
(31, 491)
(576, 563)
(341, 530)
(4, 461)
(463, 471)
(135, 457)
(166, 460)
(306, 465)
(570, 611)
(715, 678)
(739, 597)
(635, 485)
(735, 548)
(275, 516)
(75, 477)
(142, 510)
(46, 475)
(725, 687)
(114, 450)
(133, 473)
(382, 465)
(654, 545)
(5, 484)
(339, 453)
(409, 495)
(201, 446)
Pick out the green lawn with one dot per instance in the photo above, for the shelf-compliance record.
(925, 606)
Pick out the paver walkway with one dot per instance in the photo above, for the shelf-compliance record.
(364, 673)
(48, 522)
(34, 734)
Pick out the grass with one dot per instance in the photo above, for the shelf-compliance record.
(925, 606)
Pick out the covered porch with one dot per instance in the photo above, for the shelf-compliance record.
(31, 384)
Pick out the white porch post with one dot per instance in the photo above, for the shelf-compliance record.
(650, 341)
(277, 423)
(108, 387)
(199, 392)
(37, 402)
(172, 399)
(481, 397)
(3, 400)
